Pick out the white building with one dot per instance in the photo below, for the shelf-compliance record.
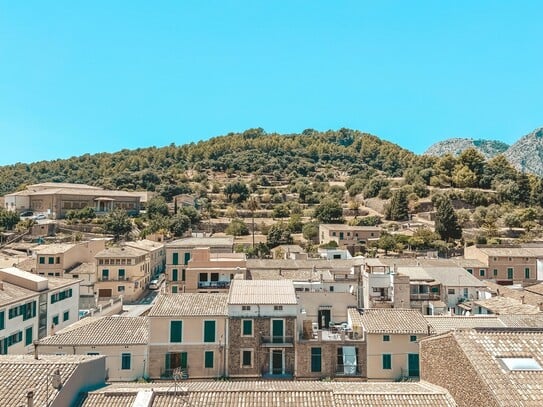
(33, 307)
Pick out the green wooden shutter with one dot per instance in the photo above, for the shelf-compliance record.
(247, 327)
(184, 360)
(209, 331)
(208, 359)
(175, 258)
(176, 331)
(316, 359)
(387, 361)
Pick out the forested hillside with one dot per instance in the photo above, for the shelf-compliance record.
(252, 151)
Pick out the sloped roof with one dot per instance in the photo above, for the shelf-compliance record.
(276, 393)
(280, 292)
(522, 321)
(394, 321)
(201, 242)
(506, 305)
(190, 305)
(441, 324)
(94, 331)
(485, 348)
(21, 373)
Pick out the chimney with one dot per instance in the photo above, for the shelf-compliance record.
(522, 299)
(540, 306)
(1, 286)
(30, 398)
(35, 343)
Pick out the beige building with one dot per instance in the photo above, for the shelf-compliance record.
(179, 252)
(507, 263)
(56, 199)
(211, 272)
(122, 271)
(271, 393)
(155, 251)
(345, 235)
(49, 380)
(262, 328)
(122, 340)
(486, 367)
(188, 334)
(392, 337)
(32, 307)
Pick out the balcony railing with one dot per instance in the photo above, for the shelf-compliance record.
(213, 284)
(383, 298)
(278, 340)
(424, 296)
(347, 370)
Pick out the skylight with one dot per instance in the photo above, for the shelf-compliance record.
(521, 364)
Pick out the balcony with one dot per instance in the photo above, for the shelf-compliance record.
(213, 284)
(425, 296)
(277, 341)
(382, 298)
(348, 370)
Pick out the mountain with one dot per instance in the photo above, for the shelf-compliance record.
(455, 146)
(527, 153)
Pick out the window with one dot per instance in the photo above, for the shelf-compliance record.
(176, 331)
(510, 273)
(66, 315)
(331, 288)
(175, 259)
(481, 272)
(2, 319)
(174, 289)
(28, 336)
(174, 274)
(208, 359)
(120, 288)
(466, 293)
(175, 360)
(316, 359)
(278, 308)
(57, 260)
(386, 338)
(183, 275)
(450, 291)
(209, 331)
(121, 274)
(247, 327)
(105, 274)
(413, 338)
(93, 353)
(55, 320)
(387, 361)
(186, 258)
(246, 308)
(42, 260)
(126, 361)
(527, 272)
(495, 272)
(51, 260)
(246, 358)
(469, 271)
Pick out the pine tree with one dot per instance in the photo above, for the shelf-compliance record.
(398, 207)
(446, 222)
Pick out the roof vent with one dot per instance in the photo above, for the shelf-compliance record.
(521, 364)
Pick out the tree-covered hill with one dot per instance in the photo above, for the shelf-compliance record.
(251, 152)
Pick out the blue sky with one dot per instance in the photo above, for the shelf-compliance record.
(87, 77)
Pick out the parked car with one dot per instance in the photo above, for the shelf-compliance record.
(26, 215)
(155, 283)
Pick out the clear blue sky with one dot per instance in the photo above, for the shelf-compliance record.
(90, 76)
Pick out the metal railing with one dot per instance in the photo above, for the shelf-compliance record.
(348, 370)
(278, 339)
(213, 284)
(424, 296)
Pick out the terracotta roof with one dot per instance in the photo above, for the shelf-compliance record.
(309, 264)
(190, 304)
(277, 393)
(340, 226)
(125, 251)
(93, 331)
(485, 349)
(522, 321)
(536, 288)
(279, 292)
(295, 275)
(145, 244)
(506, 305)
(21, 373)
(394, 321)
(519, 294)
(201, 242)
(441, 324)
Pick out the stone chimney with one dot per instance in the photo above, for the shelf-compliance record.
(522, 299)
(30, 398)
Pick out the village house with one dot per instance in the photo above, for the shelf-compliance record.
(32, 307)
(262, 328)
(188, 336)
(122, 340)
(57, 199)
(346, 236)
(179, 252)
(486, 367)
(392, 341)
